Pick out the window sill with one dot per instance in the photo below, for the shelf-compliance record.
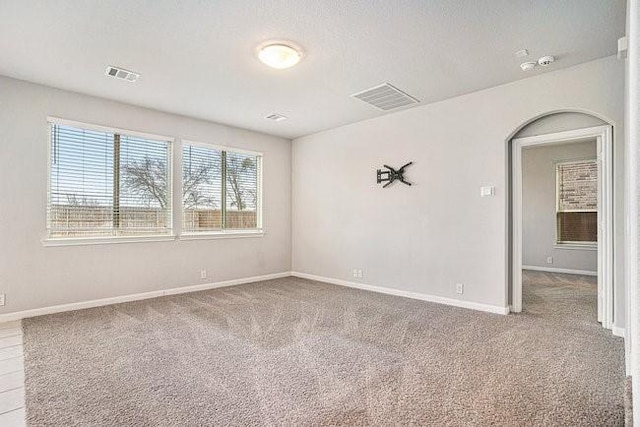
(82, 241)
(228, 234)
(577, 246)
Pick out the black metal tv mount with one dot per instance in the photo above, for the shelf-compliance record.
(391, 175)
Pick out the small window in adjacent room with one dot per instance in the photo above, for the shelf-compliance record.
(577, 202)
(220, 189)
(107, 183)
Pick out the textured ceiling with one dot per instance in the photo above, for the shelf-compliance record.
(197, 57)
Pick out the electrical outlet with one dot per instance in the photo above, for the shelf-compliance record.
(355, 272)
(459, 288)
(203, 274)
(2, 300)
(360, 273)
(550, 260)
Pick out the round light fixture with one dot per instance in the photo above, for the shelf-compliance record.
(279, 55)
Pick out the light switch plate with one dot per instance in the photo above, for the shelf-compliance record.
(487, 191)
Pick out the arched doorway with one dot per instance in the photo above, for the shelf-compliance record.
(557, 128)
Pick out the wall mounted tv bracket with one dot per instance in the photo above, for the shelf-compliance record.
(391, 175)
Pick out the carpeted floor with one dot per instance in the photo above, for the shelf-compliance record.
(628, 402)
(296, 352)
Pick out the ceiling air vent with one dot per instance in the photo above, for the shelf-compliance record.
(276, 117)
(121, 73)
(385, 97)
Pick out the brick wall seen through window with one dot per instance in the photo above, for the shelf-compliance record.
(577, 202)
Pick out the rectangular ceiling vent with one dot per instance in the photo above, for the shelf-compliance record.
(121, 73)
(385, 97)
(276, 117)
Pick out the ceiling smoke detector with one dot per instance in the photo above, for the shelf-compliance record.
(122, 74)
(546, 60)
(276, 117)
(528, 66)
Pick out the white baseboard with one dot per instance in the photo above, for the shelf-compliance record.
(414, 295)
(618, 331)
(9, 317)
(560, 270)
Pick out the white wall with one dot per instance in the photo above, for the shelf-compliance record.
(33, 276)
(539, 208)
(427, 237)
(632, 104)
(559, 122)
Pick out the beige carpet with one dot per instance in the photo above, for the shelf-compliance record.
(628, 402)
(297, 352)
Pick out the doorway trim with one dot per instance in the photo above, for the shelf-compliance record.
(604, 138)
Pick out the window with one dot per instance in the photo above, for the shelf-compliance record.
(106, 183)
(220, 189)
(577, 202)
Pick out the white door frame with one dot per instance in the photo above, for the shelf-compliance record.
(604, 138)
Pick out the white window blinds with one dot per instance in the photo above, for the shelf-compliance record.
(201, 189)
(221, 189)
(241, 187)
(104, 183)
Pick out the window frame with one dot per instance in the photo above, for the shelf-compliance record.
(571, 244)
(96, 240)
(225, 233)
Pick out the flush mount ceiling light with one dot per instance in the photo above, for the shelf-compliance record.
(279, 54)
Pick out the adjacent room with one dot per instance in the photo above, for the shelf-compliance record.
(319, 213)
(560, 205)
(565, 192)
